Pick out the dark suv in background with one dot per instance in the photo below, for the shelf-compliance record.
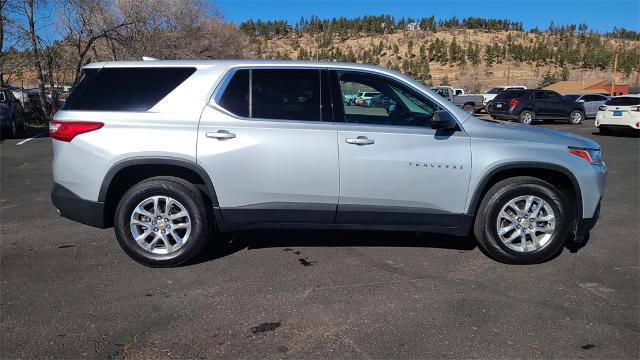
(12, 120)
(528, 105)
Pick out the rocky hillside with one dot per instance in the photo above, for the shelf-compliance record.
(458, 54)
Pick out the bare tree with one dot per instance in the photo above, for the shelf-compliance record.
(28, 9)
(2, 58)
(176, 29)
(83, 22)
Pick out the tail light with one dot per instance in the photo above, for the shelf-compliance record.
(67, 130)
(602, 108)
(635, 108)
(513, 103)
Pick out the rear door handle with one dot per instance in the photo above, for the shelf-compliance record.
(360, 140)
(221, 135)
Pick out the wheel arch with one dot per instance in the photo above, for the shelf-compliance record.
(556, 175)
(124, 174)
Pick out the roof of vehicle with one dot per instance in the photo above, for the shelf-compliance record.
(231, 63)
(628, 95)
(585, 93)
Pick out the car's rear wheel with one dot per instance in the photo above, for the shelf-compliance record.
(576, 117)
(522, 220)
(162, 222)
(526, 117)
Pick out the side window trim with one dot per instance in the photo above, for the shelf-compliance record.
(339, 110)
(219, 90)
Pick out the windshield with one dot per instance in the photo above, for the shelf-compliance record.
(572, 97)
(495, 90)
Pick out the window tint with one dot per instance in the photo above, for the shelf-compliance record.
(623, 101)
(553, 96)
(394, 103)
(125, 89)
(540, 95)
(575, 97)
(235, 98)
(511, 94)
(495, 90)
(286, 94)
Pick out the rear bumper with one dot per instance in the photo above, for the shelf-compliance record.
(76, 208)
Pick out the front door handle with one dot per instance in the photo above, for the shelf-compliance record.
(221, 135)
(360, 140)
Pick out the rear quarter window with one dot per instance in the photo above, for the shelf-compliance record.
(623, 101)
(125, 89)
(511, 94)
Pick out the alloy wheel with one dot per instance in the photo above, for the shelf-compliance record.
(160, 224)
(526, 223)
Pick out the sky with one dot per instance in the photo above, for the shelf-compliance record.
(599, 15)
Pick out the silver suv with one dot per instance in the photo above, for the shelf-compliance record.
(169, 152)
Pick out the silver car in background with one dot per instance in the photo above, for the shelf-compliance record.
(171, 152)
(592, 102)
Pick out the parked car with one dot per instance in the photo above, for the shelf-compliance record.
(468, 103)
(216, 146)
(364, 96)
(380, 101)
(490, 94)
(349, 99)
(528, 105)
(620, 112)
(592, 102)
(12, 119)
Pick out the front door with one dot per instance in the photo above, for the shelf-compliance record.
(270, 155)
(395, 169)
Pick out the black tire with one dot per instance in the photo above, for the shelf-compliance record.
(187, 195)
(526, 117)
(488, 107)
(485, 227)
(469, 109)
(576, 117)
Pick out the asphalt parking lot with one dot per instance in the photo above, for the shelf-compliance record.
(69, 291)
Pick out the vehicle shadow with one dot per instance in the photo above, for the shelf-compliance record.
(230, 243)
(619, 133)
(30, 132)
(226, 244)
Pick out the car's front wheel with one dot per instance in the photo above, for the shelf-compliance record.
(162, 222)
(522, 220)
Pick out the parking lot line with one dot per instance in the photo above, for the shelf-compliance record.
(31, 138)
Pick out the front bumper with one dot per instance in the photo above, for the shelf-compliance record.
(585, 225)
(76, 208)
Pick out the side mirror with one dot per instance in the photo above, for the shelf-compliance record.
(443, 120)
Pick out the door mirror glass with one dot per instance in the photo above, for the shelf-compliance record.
(443, 120)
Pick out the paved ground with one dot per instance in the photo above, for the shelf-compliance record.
(68, 291)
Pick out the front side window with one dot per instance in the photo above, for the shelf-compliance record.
(553, 97)
(392, 104)
(286, 94)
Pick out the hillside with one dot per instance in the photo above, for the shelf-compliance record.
(470, 58)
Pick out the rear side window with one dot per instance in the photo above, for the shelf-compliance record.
(623, 101)
(285, 94)
(235, 98)
(125, 89)
(511, 94)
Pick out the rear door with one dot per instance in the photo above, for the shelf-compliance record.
(395, 169)
(592, 103)
(268, 148)
(556, 105)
